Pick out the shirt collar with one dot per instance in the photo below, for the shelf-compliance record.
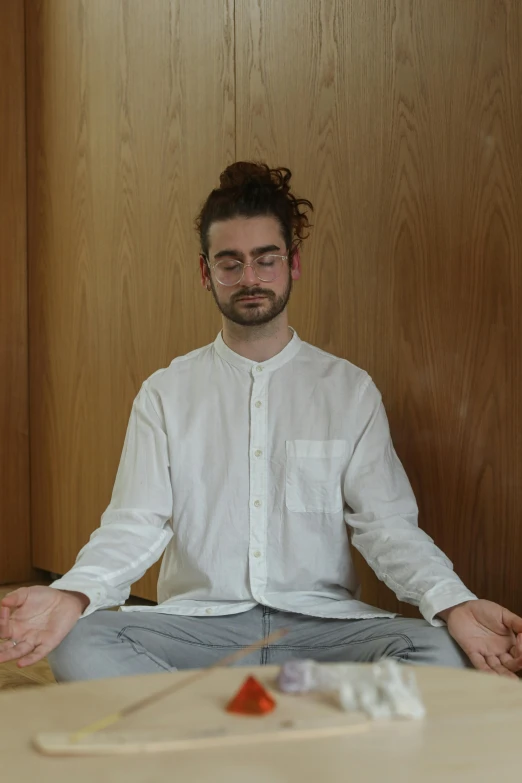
(242, 363)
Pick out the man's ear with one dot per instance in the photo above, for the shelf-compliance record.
(205, 272)
(295, 262)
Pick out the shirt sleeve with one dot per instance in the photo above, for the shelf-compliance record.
(136, 527)
(383, 517)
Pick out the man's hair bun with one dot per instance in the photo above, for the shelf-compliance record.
(244, 174)
(251, 189)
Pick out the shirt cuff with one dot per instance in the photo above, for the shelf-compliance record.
(439, 598)
(97, 597)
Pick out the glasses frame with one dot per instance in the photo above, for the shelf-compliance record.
(213, 265)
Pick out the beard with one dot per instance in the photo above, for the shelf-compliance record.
(254, 313)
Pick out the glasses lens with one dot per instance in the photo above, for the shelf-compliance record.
(228, 272)
(268, 267)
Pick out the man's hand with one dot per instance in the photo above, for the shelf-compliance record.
(37, 619)
(490, 635)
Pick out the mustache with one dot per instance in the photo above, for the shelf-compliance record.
(253, 292)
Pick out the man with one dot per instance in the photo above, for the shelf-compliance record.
(248, 462)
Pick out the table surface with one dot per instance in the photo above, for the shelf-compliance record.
(472, 732)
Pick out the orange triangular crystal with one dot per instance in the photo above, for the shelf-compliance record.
(251, 699)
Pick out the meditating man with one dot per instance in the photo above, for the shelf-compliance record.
(254, 464)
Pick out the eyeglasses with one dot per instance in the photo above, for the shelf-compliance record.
(230, 271)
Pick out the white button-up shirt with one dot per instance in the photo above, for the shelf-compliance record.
(251, 478)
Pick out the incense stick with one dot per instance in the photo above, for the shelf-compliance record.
(108, 720)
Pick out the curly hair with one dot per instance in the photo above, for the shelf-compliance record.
(248, 189)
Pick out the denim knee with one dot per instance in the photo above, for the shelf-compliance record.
(72, 659)
(436, 647)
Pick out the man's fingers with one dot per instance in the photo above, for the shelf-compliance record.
(494, 662)
(4, 622)
(512, 621)
(479, 662)
(512, 661)
(11, 652)
(26, 651)
(9, 603)
(490, 665)
(23, 647)
(518, 644)
(38, 653)
(15, 599)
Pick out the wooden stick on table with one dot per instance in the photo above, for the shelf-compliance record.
(108, 720)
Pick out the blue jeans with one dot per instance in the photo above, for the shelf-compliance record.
(112, 644)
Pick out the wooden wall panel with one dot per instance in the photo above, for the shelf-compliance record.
(14, 416)
(402, 122)
(131, 109)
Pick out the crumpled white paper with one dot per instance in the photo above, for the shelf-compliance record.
(386, 689)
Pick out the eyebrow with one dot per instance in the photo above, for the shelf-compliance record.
(256, 251)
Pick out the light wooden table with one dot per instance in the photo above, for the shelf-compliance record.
(473, 733)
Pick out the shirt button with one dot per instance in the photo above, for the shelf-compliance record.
(208, 611)
(257, 553)
(258, 452)
(257, 503)
(259, 369)
(258, 404)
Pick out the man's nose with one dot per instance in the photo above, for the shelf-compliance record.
(249, 277)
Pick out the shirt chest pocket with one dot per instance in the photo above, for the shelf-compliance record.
(313, 475)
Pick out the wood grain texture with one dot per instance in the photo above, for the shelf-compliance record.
(402, 121)
(131, 118)
(470, 733)
(15, 557)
